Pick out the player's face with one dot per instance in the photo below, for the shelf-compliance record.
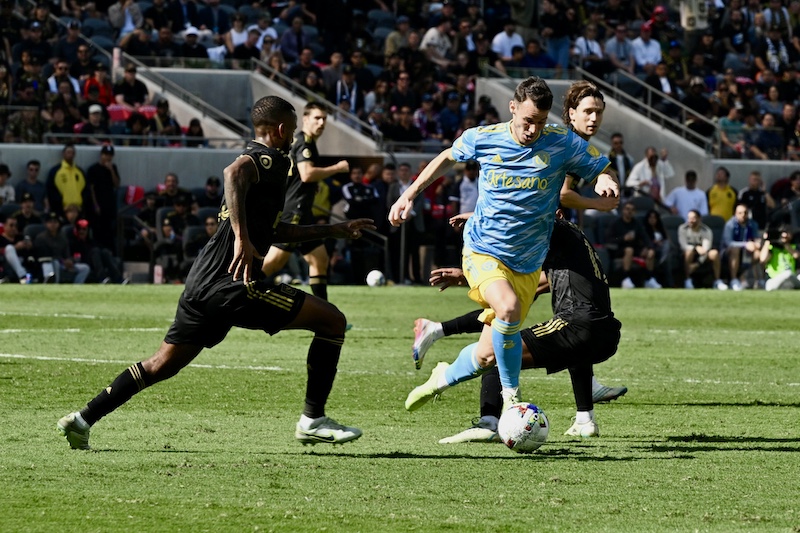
(587, 117)
(314, 122)
(527, 121)
(289, 126)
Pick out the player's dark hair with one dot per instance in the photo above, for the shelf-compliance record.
(270, 111)
(310, 106)
(577, 92)
(536, 90)
(691, 175)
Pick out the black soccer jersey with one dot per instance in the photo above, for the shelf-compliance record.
(299, 195)
(263, 204)
(577, 280)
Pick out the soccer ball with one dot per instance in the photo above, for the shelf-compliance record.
(523, 427)
(376, 278)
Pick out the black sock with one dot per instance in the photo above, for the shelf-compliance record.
(319, 286)
(582, 387)
(491, 398)
(323, 357)
(134, 379)
(464, 324)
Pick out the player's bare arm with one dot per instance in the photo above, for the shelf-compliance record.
(607, 183)
(237, 177)
(311, 174)
(574, 200)
(441, 164)
(352, 229)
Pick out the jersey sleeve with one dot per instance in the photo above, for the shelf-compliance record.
(463, 148)
(586, 160)
(301, 151)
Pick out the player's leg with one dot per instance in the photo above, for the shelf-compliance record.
(426, 332)
(503, 339)
(165, 363)
(318, 260)
(584, 425)
(275, 260)
(328, 325)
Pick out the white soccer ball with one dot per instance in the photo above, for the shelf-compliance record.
(523, 427)
(376, 278)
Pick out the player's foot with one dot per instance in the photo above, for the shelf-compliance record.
(326, 430)
(420, 395)
(606, 394)
(736, 284)
(588, 429)
(627, 283)
(481, 431)
(510, 397)
(688, 284)
(76, 430)
(348, 326)
(652, 283)
(424, 337)
(720, 285)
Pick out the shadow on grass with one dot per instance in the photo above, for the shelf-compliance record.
(753, 403)
(686, 444)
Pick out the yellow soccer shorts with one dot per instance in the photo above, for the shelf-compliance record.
(482, 270)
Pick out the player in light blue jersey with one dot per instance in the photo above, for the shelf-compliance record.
(523, 166)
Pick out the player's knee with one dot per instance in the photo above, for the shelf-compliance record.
(333, 322)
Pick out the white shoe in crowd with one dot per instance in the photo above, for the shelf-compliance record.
(652, 284)
(736, 284)
(688, 284)
(627, 283)
(720, 285)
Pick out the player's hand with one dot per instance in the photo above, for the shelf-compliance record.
(352, 229)
(458, 221)
(606, 203)
(400, 210)
(244, 253)
(606, 186)
(343, 166)
(447, 277)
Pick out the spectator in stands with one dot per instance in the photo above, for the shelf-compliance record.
(67, 99)
(92, 98)
(137, 125)
(468, 187)
(698, 102)
(84, 66)
(771, 102)
(65, 182)
(402, 94)
(294, 40)
(41, 14)
(6, 89)
(170, 191)
(100, 80)
(67, 46)
(181, 217)
(646, 51)
(779, 256)
(738, 52)
(767, 142)
(52, 244)
(695, 239)
(413, 233)
(61, 128)
(398, 38)
(664, 86)
(192, 247)
(504, 42)
(555, 28)
(166, 46)
(426, 119)
(757, 199)
(776, 15)
(631, 240)
(16, 251)
(246, 51)
(277, 66)
(731, 134)
(195, 138)
(364, 77)
(130, 92)
(34, 44)
(619, 49)
(535, 57)
(791, 193)
(182, 14)
(482, 57)
(157, 15)
(332, 72)
(191, 47)
(621, 162)
(33, 186)
(361, 198)
(212, 195)
(740, 243)
(722, 100)
(213, 20)
(163, 124)
(347, 89)
(96, 129)
(125, 16)
(678, 67)
(708, 48)
(61, 73)
(451, 116)
(269, 35)
(404, 130)
(71, 214)
(304, 65)
(7, 193)
(102, 182)
(436, 43)
(648, 177)
(138, 43)
(377, 97)
(681, 200)
(773, 51)
(721, 196)
(26, 125)
(104, 267)
(237, 34)
(589, 54)
(662, 245)
(31, 86)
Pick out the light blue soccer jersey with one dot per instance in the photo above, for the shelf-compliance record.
(519, 189)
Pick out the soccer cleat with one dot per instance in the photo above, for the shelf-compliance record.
(326, 430)
(720, 285)
(688, 284)
(606, 394)
(480, 431)
(424, 337)
(420, 395)
(588, 429)
(510, 397)
(627, 283)
(652, 283)
(76, 430)
(736, 285)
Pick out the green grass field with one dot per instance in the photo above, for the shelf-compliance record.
(707, 439)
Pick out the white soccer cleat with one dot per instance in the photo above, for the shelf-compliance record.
(510, 397)
(481, 431)
(606, 394)
(736, 285)
(76, 430)
(586, 430)
(420, 395)
(627, 283)
(688, 284)
(327, 431)
(652, 283)
(424, 337)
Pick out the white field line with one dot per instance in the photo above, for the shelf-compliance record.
(367, 372)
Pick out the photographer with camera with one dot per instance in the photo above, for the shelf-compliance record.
(779, 257)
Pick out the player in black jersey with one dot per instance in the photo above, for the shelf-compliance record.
(226, 288)
(302, 181)
(582, 333)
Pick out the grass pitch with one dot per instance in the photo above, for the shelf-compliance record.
(707, 439)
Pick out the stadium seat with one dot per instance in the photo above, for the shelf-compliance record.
(32, 230)
(379, 18)
(379, 36)
(230, 10)
(603, 221)
(92, 28)
(590, 228)
(717, 224)
(190, 234)
(106, 43)
(205, 212)
(6, 210)
(250, 13)
(642, 204)
(376, 70)
(311, 32)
